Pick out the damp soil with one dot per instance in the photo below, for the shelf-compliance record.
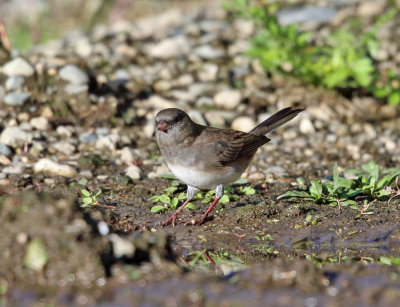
(254, 250)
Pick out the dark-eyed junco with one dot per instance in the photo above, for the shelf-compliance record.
(209, 158)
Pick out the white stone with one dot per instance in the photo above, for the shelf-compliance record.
(18, 67)
(108, 142)
(208, 72)
(40, 123)
(243, 123)
(306, 126)
(209, 53)
(64, 131)
(14, 83)
(126, 156)
(16, 99)
(73, 75)
(133, 172)
(15, 137)
(55, 169)
(228, 99)
(64, 147)
(169, 48)
(370, 8)
(121, 247)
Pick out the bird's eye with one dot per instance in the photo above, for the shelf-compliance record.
(178, 118)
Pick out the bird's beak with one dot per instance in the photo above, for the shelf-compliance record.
(162, 126)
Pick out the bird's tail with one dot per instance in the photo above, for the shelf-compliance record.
(275, 121)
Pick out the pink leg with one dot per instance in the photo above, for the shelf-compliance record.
(204, 217)
(173, 217)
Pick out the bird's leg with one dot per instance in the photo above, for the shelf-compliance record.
(219, 192)
(174, 216)
(191, 192)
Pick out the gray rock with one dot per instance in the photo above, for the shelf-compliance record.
(16, 99)
(73, 75)
(40, 123)
(64, 131)
(209, 53)
(121, 247)
(108, 142)
(133, 172)
(64, 147)
(204, 101)
(102, 131)
(18, 67)
(75, 89)
(55, 169)
(15, 137)
(122, 75)
(4, 160)
(170, 48)
(14, 83)
(312, 14)
(370, 8)
(277, 171)
(4, 150)
(208, 72)
(126, 156)
(86, 174)
(228, 99)
(16, 168)
(88, 137)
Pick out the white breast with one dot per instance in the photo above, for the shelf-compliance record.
(201, 179)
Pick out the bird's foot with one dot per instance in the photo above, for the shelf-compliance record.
(171, 220)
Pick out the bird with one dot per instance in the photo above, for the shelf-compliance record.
(206, 158)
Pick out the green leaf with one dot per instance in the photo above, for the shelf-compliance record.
(182, 196)
(395, 260)
(362, 69)
(87, 200)
(86, 192)
(394, 98)
(98, 193)
(83, 181)
(167, 176)
(335, 177)
(174, 202)
(190, 206)
(36, 255)
(224, 199)
(335, 78)
(157, 208)
(316, 189)
(385, 260)
(240, 181)
(165, 199)
(170, 189)
(387, 180)
(295, 194)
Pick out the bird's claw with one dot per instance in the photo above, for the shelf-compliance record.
(172, 220)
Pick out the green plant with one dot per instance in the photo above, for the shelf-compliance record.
(341, 191)
(89, 198)
(170, 199)
(343, 62)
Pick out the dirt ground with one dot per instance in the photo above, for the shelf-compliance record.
(253, 250)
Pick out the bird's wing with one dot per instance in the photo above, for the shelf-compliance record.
(232, 145)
